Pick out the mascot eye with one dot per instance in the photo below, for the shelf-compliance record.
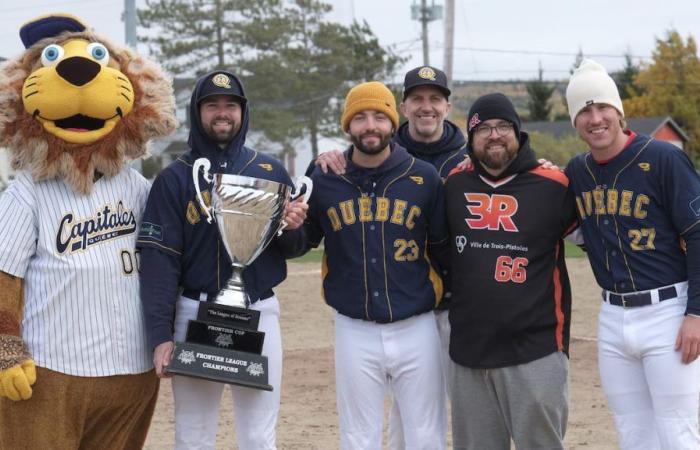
(99, 52)
(51, 54)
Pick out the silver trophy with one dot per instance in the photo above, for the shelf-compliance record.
(223, 344)
(248, 212)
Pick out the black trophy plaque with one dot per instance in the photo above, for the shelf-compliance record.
(223, 345)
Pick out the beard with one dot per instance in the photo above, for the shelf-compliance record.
(221, 136)
(371, 149)
(496, 159)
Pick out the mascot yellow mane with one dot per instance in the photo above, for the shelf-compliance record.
(75, 105)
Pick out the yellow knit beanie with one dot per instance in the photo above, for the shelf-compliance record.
(371, 95)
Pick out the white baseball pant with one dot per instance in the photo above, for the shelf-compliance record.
(396, 440)
(197, 401)
(652, 394)
(403, 356)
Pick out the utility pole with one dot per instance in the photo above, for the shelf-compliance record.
(130, 38)
(130, 23)
(426, 14)
(449, 21)
(424, 23)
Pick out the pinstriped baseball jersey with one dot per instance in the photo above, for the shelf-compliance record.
(76, 254)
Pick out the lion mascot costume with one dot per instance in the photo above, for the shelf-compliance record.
(75, 369)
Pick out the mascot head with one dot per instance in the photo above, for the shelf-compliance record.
(74, 104)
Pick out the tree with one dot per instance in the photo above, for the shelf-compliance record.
(625, 78)
(539, 92)
(296, 66)
(670, 85)
(191, 37)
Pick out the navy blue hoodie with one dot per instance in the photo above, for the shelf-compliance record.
(181, 253)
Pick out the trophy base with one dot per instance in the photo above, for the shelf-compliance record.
(231, 316)
(225, 336)
(220, 365)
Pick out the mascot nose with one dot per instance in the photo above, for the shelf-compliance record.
(78, 70)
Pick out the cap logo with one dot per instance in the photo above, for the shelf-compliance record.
(474, 121)
(589, 102)
(427, 73)
(221, 80)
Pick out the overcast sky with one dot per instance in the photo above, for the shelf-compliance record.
(498, 40)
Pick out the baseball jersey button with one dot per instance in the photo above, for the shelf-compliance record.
(614, 253)
(376, 293)
(371, 227)
(371, 194)
(606, 222)
(374, 260)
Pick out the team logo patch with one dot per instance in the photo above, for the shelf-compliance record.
(151, 231)
(192, 213)
(417, 179)
(221, 80)
(186, 357)
(644, 166)
(255, 369)
(695, 206)
(427, 73)
(474, 121)
(206, 196)
(266, 166)
(224, 340)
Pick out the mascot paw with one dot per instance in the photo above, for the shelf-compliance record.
(16, 382)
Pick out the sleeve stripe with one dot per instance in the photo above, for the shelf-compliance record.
(141, 241)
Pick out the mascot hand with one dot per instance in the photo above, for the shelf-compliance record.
(16, 382)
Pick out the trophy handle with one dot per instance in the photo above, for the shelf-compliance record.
(202, 163)
(301, 182)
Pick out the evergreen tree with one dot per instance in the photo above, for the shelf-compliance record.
(625, 78)
(296, 66)
(539, 92)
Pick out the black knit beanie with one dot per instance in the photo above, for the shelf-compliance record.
(492, 106)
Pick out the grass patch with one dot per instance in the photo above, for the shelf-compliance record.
(573, 251)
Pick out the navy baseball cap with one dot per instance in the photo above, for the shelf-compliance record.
(426, 76)
(220, 83)
(48, 26)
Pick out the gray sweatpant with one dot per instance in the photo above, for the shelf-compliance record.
(528, 403)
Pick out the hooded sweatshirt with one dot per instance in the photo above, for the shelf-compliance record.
(443, 154)
(511, 300)
(181, 253)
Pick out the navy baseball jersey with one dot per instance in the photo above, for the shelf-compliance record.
(511, 300)
(377, 225)
(638, 212)
(181, 252)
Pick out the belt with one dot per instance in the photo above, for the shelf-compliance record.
(210, 297)
(645, 298)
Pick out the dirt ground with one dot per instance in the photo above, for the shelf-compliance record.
(308, 417)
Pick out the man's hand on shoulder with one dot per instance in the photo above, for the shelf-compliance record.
(162, 355)
(333, 160)
(688, 340)
(547, 164)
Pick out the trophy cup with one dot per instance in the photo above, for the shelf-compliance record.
(223, 344)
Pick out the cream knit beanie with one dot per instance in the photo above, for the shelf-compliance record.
(590, 83)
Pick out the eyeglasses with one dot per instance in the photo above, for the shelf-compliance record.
(502, 129)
